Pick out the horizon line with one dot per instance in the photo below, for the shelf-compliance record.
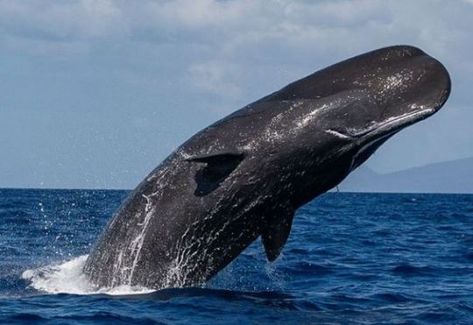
(131, 189)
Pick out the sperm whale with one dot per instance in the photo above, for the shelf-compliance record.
(244, 176)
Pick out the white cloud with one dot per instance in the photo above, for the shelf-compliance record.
(230, 28)
(230, 52)
(215, 78)
(200, 14)
(53, 20)
(214, 40)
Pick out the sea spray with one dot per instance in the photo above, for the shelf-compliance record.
(67, 277)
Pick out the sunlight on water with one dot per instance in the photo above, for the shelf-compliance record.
(69, 278)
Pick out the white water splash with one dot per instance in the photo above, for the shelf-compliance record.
(69, 278)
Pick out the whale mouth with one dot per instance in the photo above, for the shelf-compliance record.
(386, 127)
(394, 124)
(368, 140)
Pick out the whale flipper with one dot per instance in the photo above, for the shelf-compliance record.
(275, 234)
(218, 167)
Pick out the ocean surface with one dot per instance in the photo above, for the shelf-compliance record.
(350, 259)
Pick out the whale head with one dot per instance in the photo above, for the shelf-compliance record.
(397, 87)
(339, 116)
(311, 134)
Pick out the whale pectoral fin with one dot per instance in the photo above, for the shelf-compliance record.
(275, 235)
(218, 167)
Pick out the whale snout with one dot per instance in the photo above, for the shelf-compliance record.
(406, 86)
(418, 82)
(418, 90)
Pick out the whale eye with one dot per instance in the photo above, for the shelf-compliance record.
(216, 169)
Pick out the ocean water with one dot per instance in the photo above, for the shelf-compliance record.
(350, 259)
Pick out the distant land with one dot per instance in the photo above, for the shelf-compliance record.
(445, 177)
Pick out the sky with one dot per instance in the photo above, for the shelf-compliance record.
(95, 93)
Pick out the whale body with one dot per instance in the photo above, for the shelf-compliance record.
(244, 176)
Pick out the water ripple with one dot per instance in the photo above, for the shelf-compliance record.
(351, 258)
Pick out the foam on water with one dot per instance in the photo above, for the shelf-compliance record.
(68, 277)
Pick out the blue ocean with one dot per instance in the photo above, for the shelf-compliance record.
(351, 259)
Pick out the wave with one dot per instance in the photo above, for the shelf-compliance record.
(68, 277)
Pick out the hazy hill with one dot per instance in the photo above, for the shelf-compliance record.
(445, 177)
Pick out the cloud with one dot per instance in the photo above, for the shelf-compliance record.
(60, 21)
(229, 29)
(215, 78)
(182, 64)
(236, 48)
